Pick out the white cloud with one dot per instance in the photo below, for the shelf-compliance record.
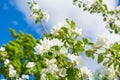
(92, 24)
(60, 9)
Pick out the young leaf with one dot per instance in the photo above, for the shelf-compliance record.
(100, 58)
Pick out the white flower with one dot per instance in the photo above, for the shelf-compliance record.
(100, 42)
(2, 49)
(117, 23)
(57, 42)
(6, 61)
(30, 64)
(57, 28)
(50, 69)
(88, 3)
(39, 49)
(77, 59)
(85, 72)
(35, 7)
(49, 62)
(62, 72)
(24, 76)
(44, 47)
(63, 50)
(46, 16)
(12, 73)
(34, 16)
(118, 8)
(43, 77)
(72, 57)
(11, 67)
(109, 73)
(78, 31)
(46, 44)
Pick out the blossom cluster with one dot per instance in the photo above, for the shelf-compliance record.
(85, 3)
(53, 67)
(85, 72)
(37, 14)
(56, 29)
(101, 42)
(2, 49)
(108, 73)
(113, 20)
(47, 44)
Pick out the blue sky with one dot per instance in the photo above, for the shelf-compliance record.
(11, 17)
(15, 14)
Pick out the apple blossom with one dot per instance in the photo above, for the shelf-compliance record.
(46, 44)
(64, 51)
(19, 79)
(50, 69)
(117, 23)
(77, 59)
(88, 3)
(78, 31)
(6, 61)
(43, 77)
(85, 72)
(12, 71)
(39, 49)
(2, 49)
(57, 28)
(62, 72)
(49, 62)
(34, 15)
(118, 8)
(11, 67)
(24, 76)
(108, 73)
(46, 16)
(30, 64)
(101, 41)
(35, 7)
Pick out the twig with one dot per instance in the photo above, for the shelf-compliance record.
(44, 27)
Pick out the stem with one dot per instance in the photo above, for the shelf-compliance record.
(105, 56)
(44, 27)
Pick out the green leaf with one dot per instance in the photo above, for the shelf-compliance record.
(90, 54)
(13, 33)
(28, 2)
(85, 40)
(78, 46)
(79, 5)
(72, 73)
(72, 24)
(100, 58)
(100, 1)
